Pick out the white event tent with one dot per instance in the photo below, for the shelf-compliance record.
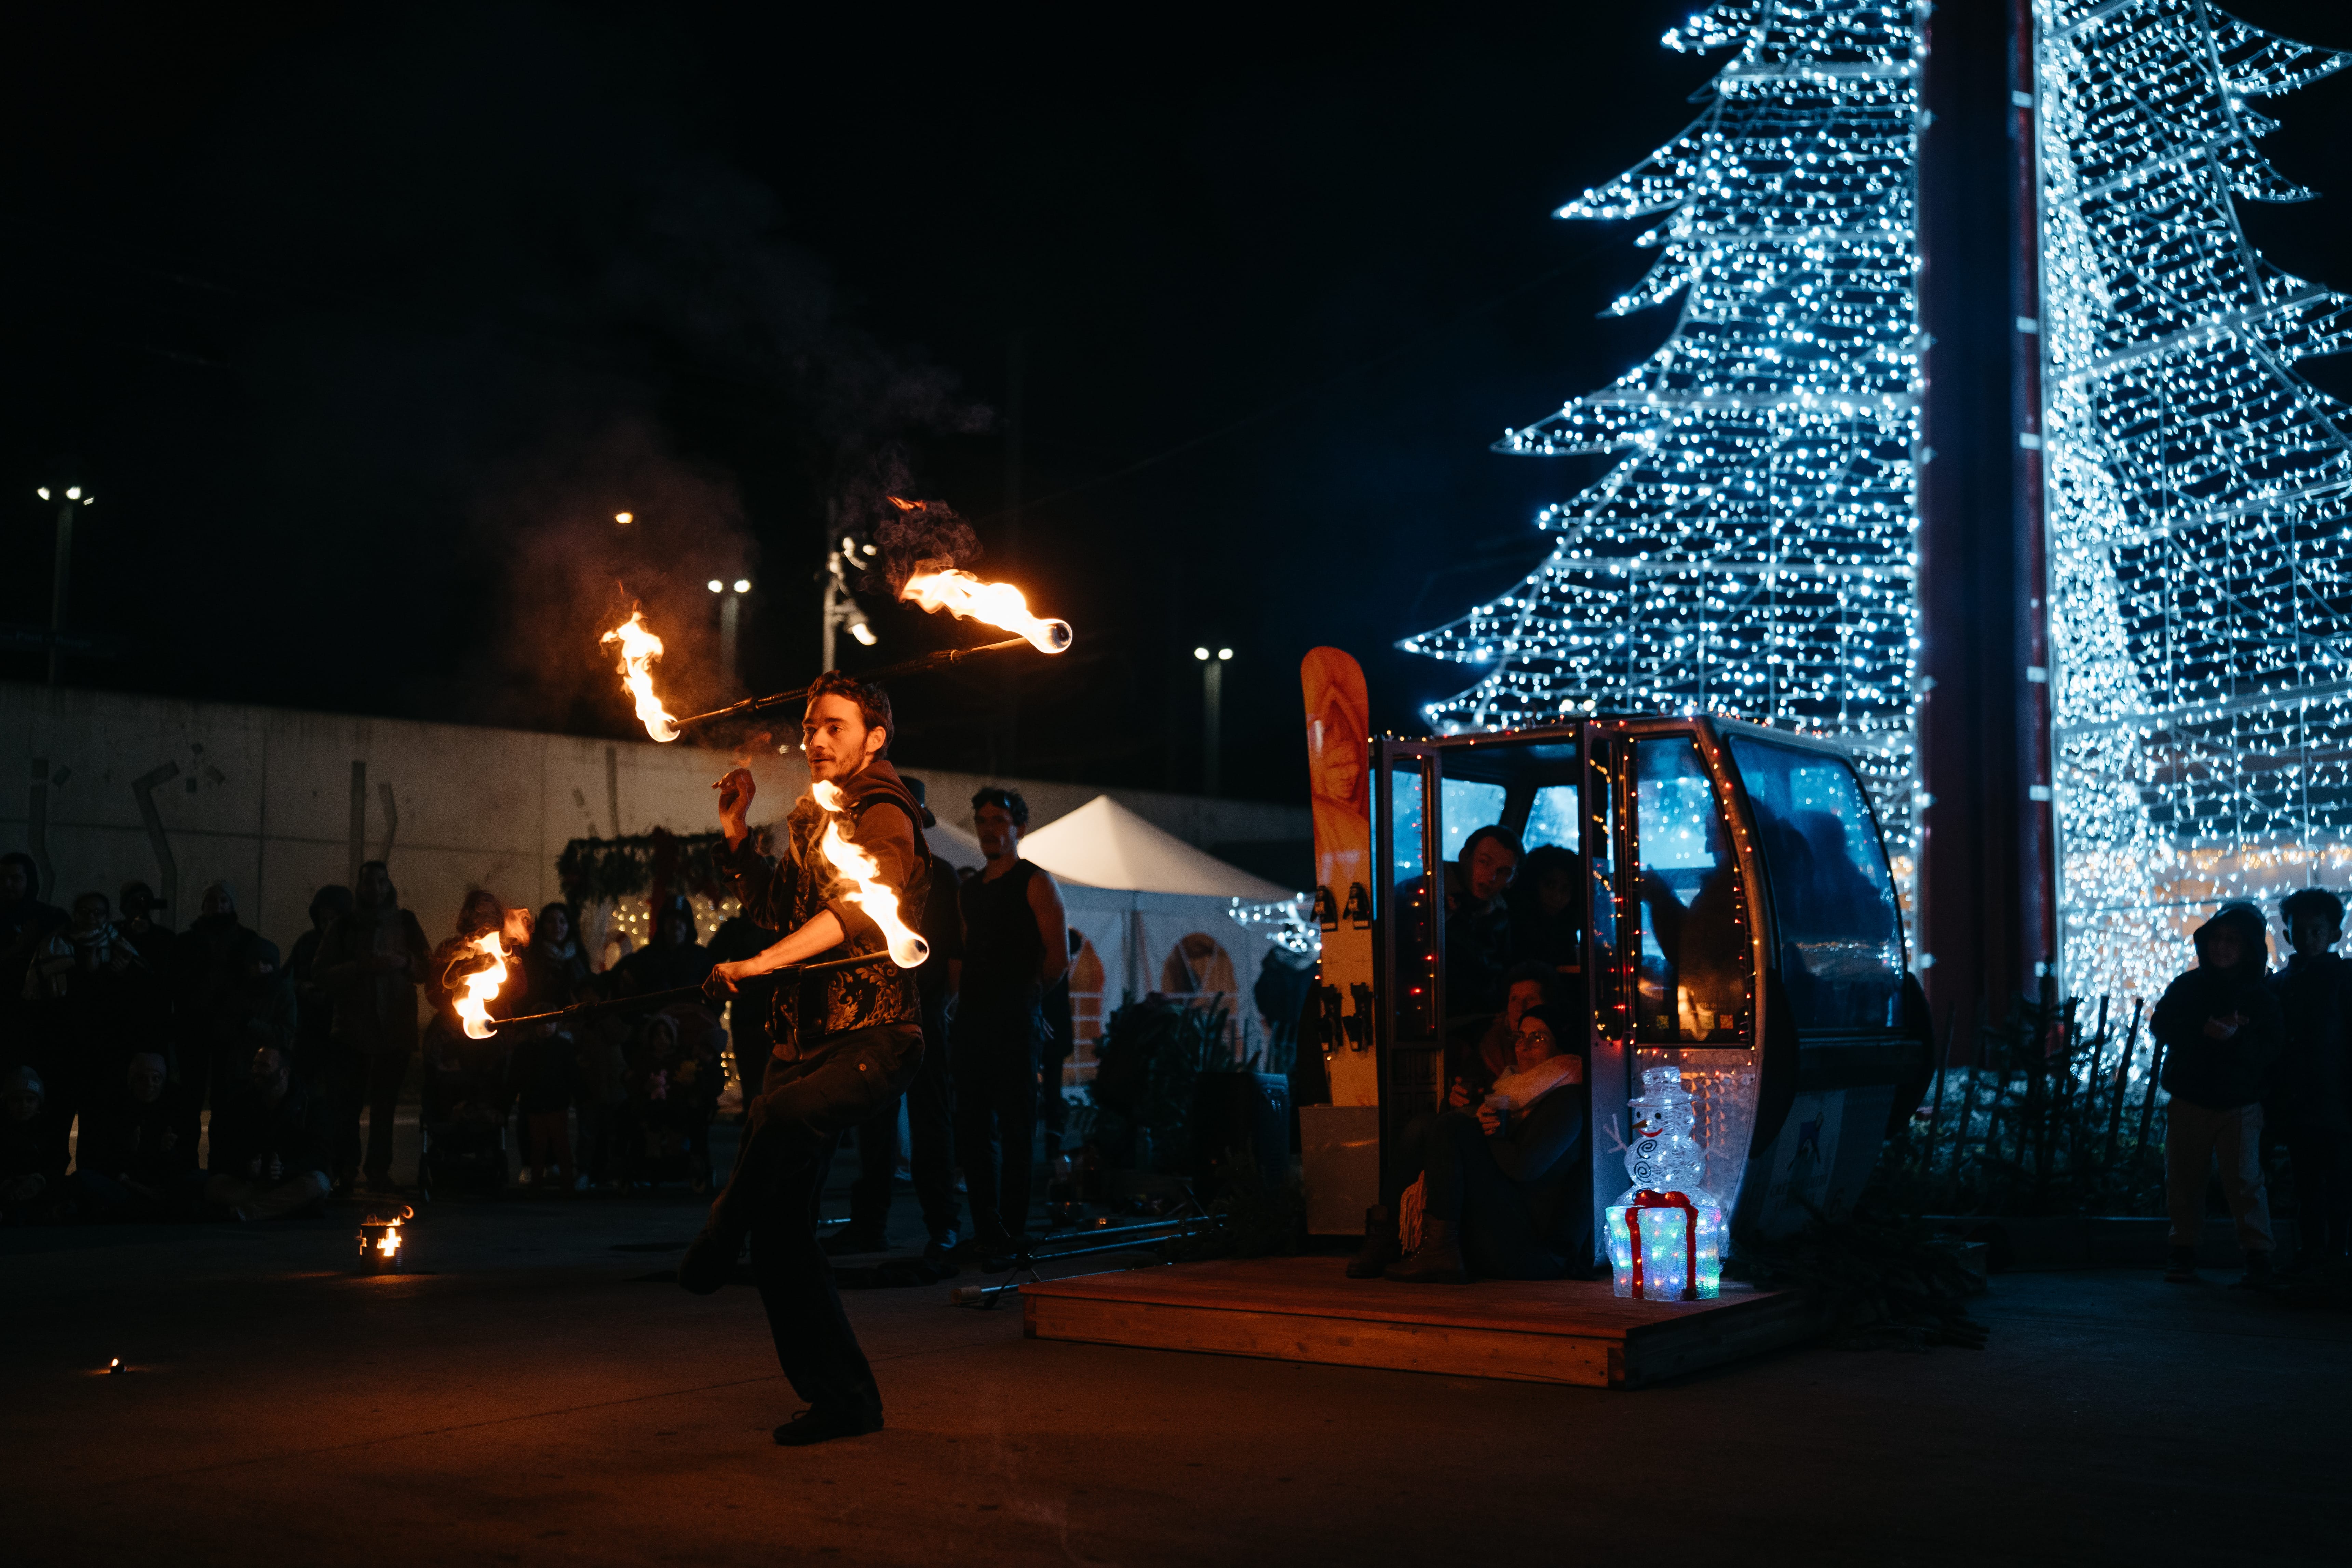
(1157, 916)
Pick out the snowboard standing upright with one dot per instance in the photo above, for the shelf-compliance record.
(1339, 777)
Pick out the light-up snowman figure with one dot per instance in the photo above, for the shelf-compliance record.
(1665, 1232)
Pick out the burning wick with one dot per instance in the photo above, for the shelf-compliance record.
(473, 1005)
(994, 604)
(114, 1366)
(880, 904)
(639, 648)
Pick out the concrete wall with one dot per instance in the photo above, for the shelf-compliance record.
(102, 789)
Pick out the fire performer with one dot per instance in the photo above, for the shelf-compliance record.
(847, 1042)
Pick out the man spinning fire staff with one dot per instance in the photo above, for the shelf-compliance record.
(852, 879)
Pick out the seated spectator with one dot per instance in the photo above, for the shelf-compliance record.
(1471, 1077)
(1504, 1190)
(1477, 921)
(270, 1143)
(33, 1151)
(131, 1163)
(2221, 1026)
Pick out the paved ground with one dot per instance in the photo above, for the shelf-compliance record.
(531, 1398)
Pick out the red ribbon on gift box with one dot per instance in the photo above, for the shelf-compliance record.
(1646, 1199)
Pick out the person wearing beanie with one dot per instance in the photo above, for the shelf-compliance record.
(1505, 1190)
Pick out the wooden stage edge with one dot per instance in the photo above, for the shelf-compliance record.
(1307, 1309)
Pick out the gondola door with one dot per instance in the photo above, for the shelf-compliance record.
(1608, 973)
(1411, 895)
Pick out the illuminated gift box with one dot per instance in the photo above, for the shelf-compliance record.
(1665, 1232)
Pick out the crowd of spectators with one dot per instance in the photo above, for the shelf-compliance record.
(148, 1074)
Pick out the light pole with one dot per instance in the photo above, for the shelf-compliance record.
(841, 608)
(731, 605)
(1213, 683)
(74, 498)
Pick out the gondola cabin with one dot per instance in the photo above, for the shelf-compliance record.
(1716, 896)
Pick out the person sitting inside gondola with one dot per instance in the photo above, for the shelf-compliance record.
(1544, 908)
(1478, 921)
(1503, 1188)
(1472, 1065)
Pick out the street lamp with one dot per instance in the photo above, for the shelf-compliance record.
(1213, 683)
(74, 498)
(730, 607)
(841, 612)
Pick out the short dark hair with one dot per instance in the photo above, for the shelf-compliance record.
(2312, 901)
(873, 702)
(1542, 974)
(1010, 799)
(1510, 841)
(32, 871)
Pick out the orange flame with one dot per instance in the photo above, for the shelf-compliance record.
(473, 1005)
(993, 604)
(639, 648)
(389, 1243)
(880, 904)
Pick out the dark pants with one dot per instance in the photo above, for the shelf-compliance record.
(2322, 1161)
(779, 1170)
(385, 1070)
(1468, 1189)
(996, 1045)
(929, 1128)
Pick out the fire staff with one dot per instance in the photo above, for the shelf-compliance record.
(851, 878)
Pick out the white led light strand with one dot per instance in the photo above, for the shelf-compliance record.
(2198, 489)
(1751, 553)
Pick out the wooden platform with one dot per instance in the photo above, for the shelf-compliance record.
(1307, 1309)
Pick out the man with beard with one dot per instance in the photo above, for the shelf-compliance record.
(848, 1043)
(369, 965)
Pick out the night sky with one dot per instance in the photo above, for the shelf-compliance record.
(361, 324)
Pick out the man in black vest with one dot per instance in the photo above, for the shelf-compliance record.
(851, 880)
(1015, 947)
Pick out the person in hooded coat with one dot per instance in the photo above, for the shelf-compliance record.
(2221, 1026)
(2306, 1102)
(207, 1028)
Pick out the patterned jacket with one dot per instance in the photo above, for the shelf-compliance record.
(785, 892)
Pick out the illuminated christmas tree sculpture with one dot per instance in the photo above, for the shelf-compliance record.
(1752, 550)
(2198, 488)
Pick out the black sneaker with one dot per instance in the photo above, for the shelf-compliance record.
(2258, 1275)
(2182, 1269)
(709, 1262)
(940, 1254)
(815, 1426)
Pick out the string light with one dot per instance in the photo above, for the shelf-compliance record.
(1751, 551)
(2197, 486)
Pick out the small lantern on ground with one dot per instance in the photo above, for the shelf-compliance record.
(1665, 1232)
(383, 1242)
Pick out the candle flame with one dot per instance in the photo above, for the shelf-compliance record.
(473, 1005)
(881, 905)
(639, 648)
(994, 604)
